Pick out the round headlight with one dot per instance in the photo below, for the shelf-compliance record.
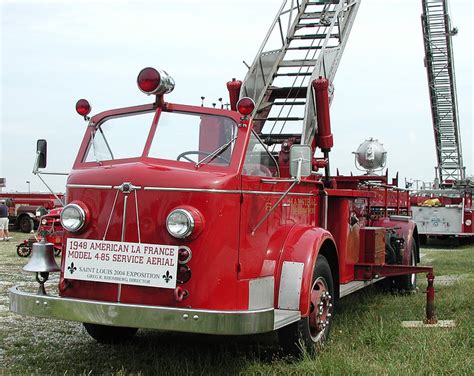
(180, 223)
(73, 217)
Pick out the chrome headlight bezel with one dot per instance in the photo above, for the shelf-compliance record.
(186, 219)
(80, 217)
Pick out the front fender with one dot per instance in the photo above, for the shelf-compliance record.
(301, 246)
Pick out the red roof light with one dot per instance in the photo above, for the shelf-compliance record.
(148, 80)
(152, 81)
(245, 106)
(83, 107)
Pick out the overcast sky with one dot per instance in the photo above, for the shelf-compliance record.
(56, 52)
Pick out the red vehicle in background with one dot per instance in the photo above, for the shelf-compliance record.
(26, 209)
(50, 227)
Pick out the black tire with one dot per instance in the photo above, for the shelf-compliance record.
(310, 333)
(26, 224)
(423, 239)
(23, 250)
(408, 282)
(109, 334)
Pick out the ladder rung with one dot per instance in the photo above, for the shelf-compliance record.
(304, 48)
(292, 74)
(314, 36)
(289, 103)
(289, 92)
(313, 24)
(298, 63)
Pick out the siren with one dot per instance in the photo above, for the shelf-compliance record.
(152, 81)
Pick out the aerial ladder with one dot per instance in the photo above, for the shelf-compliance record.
(439, 61)
(304, 43)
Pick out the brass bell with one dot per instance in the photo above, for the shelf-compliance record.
(42, 258)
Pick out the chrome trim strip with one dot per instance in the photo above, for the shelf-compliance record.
(350, 287)
(173, 189)
(142, 316)
(89, 186)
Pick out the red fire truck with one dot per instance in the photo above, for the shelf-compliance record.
(202, 220)
(25, 209)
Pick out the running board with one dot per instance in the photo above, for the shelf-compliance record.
(349, 288)
(283, 318)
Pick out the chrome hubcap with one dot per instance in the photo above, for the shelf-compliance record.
(320, 308)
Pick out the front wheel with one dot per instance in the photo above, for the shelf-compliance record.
(23, 250)
(109, 334)
(311, 332)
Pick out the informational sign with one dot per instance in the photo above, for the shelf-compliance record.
(153, 265)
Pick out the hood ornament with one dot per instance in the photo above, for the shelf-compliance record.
(127, 187)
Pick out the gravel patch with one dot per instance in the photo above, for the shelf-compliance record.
(446, 280)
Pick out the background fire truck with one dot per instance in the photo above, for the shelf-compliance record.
(226, 221)
(445, 208)
(26, 209)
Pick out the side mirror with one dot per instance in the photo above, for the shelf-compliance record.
(41, 151)
(300, 161)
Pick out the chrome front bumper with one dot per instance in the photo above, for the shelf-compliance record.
(152, 317)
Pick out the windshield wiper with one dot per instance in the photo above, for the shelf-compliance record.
(215, 153)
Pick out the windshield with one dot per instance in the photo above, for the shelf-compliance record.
(194, 138)
(121, 137)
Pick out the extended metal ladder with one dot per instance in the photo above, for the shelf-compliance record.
(439, 61)
(306, 41)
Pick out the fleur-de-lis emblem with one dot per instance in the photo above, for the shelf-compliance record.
(167, 276)
(71, 268)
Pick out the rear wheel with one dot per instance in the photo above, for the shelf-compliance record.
(408, 282)
(26, 224)
(109, 334)
(423, 239)
(311, 332)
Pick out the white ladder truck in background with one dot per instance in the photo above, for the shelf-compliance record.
(446, 208)
(305, 42)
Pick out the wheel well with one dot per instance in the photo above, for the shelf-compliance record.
(328, 250)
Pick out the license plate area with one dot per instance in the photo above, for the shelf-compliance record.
(141, 264)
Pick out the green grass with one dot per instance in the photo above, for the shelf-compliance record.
(366, 338)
